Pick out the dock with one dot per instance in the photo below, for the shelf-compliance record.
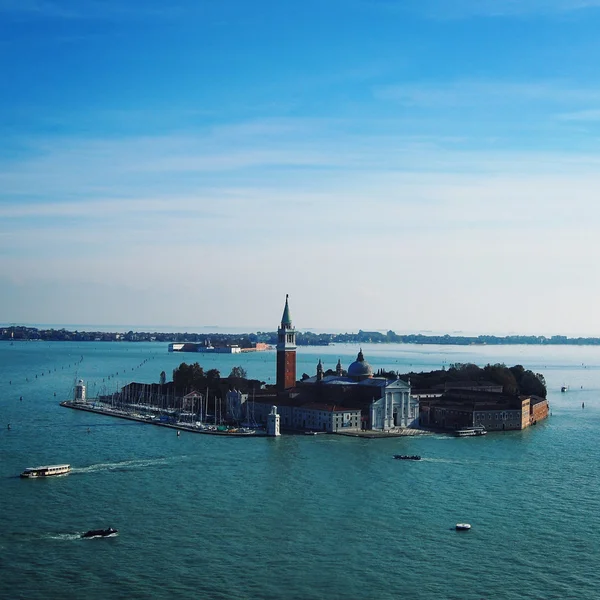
(121, 414)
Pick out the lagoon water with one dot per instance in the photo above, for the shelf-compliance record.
(298, 517)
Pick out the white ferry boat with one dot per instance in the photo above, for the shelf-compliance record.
(49, 471)
(470, 431)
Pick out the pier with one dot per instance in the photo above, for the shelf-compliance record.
(120, 414)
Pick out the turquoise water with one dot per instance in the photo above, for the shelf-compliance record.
(298, 517)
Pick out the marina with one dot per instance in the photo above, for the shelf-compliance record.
(108, 411)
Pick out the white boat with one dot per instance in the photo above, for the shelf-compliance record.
(470, 431)
(463, 527)
(48, 471)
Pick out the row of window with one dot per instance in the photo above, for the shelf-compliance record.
(502, 416)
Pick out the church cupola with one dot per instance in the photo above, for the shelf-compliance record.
(338, 368)
(360, 369)
(286, 350)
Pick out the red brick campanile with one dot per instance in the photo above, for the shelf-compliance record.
(286, 351)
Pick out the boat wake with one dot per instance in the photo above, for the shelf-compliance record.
(125, 465)
(64, 537)
(446, 461)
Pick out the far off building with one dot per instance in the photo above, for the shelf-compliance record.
(456, 409)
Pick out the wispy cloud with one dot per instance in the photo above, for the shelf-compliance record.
(581, 115)
(472, 92)
(86, 9)
(456, 9)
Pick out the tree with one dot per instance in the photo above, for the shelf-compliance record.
(213, 374)
(499, 373)
(188, 377)
(238, 373)
(531, 384)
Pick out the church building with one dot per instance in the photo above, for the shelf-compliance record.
(387, 404)
(341, 402)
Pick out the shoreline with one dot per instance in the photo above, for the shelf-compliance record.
(180, 427)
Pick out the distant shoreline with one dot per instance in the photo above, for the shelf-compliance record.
(16, 333)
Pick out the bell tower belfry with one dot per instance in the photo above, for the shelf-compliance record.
(286, 351)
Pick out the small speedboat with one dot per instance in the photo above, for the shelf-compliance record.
(463, 527)
(92, 533)
(406, 457)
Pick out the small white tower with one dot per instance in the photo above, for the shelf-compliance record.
(273, 422)
(79, 391)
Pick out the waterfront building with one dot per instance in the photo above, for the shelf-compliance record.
(327, 417)
(460, 408)
(309, 416)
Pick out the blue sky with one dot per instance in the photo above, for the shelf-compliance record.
(413, 165)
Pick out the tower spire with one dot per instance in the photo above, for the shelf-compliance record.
(286, 319)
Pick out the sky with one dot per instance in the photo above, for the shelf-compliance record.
(415, 165)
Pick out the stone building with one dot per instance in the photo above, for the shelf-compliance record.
(334, 403)
(386, 404)
(460, 408)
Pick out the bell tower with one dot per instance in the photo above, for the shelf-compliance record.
(286, 351)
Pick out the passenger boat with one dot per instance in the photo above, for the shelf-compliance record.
(49, 471)
(470, 431)
(405, 457)
(463, 527)
(92, 533)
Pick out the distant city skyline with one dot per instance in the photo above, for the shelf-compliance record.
(416, 165)
(249, 329)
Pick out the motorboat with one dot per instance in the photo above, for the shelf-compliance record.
(47, 471)
(93, 533)
(406, 457)
(463, 527)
